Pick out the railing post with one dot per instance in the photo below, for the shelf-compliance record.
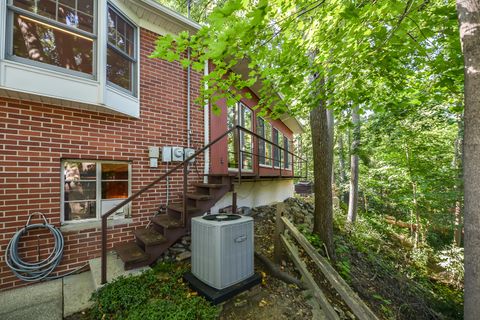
(279, 228)
(239, 160)
(185, 177)
(234, 202)
(306, 170)
(104, 251)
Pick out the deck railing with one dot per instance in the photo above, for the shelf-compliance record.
(184, 164)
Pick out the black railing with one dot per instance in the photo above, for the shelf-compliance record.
(236, 130)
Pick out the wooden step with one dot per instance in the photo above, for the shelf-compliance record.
(209, 185)
(149, 237)
(167, 222)
(179, 207)
(198, 196)
(131, 253)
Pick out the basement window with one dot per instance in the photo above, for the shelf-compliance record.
(91, 188)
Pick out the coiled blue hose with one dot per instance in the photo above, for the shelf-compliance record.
(40, 270)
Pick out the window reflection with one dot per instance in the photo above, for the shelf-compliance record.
(73, 13)
(120, 52)
(119, 70)
(38, 41)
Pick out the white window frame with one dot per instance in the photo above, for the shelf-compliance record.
(98, 191)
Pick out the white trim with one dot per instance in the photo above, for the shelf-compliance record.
(93, 223)
(102, 50)
(3, 30)
(243, 170)
(265, 166)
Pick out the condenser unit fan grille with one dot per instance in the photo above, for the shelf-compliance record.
(222, 217)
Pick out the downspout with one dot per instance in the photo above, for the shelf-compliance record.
(189, 70)
(206, 125)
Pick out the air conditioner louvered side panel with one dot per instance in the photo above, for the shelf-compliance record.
(205, 252)
(237, 253)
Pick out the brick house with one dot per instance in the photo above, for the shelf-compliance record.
(80, 106)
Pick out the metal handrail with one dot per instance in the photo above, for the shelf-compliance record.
(183, 164)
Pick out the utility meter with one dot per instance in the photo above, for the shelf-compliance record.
(177, 154)
(188, 153)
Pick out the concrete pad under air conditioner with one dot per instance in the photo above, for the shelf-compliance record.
(217, 296)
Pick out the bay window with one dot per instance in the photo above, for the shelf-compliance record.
(91, 188)
(69, 36)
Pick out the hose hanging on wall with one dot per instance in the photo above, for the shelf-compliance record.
(39, 270)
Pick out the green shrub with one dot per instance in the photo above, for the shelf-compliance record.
(157, 294)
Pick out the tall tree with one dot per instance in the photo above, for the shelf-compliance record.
(353, 198)
(469, 20)
(321, 125)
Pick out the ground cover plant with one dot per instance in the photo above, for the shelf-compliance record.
(159, 293)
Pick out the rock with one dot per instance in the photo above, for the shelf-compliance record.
(340, 312)
(184, 255)
(177, 249)
(240, 303)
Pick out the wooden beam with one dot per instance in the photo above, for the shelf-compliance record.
(357, 305)
(327, 308)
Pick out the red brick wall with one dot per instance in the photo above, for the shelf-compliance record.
(34, 137)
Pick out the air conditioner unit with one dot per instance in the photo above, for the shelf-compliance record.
(222, 249)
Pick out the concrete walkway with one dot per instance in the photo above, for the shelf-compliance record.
(50, 300)
(56, 299)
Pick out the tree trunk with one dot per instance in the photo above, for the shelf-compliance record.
(353, 198)
(469, 20)
(414, 210)
(322, 168)
(331, 134)
(457, 166)
(341, 159)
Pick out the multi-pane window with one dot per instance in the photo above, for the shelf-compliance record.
(240, 115)
(264, 129)
(91, 188)
(276, 150)
(59, 33)
(120, 51)
(287, 156)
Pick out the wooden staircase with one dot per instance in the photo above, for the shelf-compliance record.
(165, 229)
